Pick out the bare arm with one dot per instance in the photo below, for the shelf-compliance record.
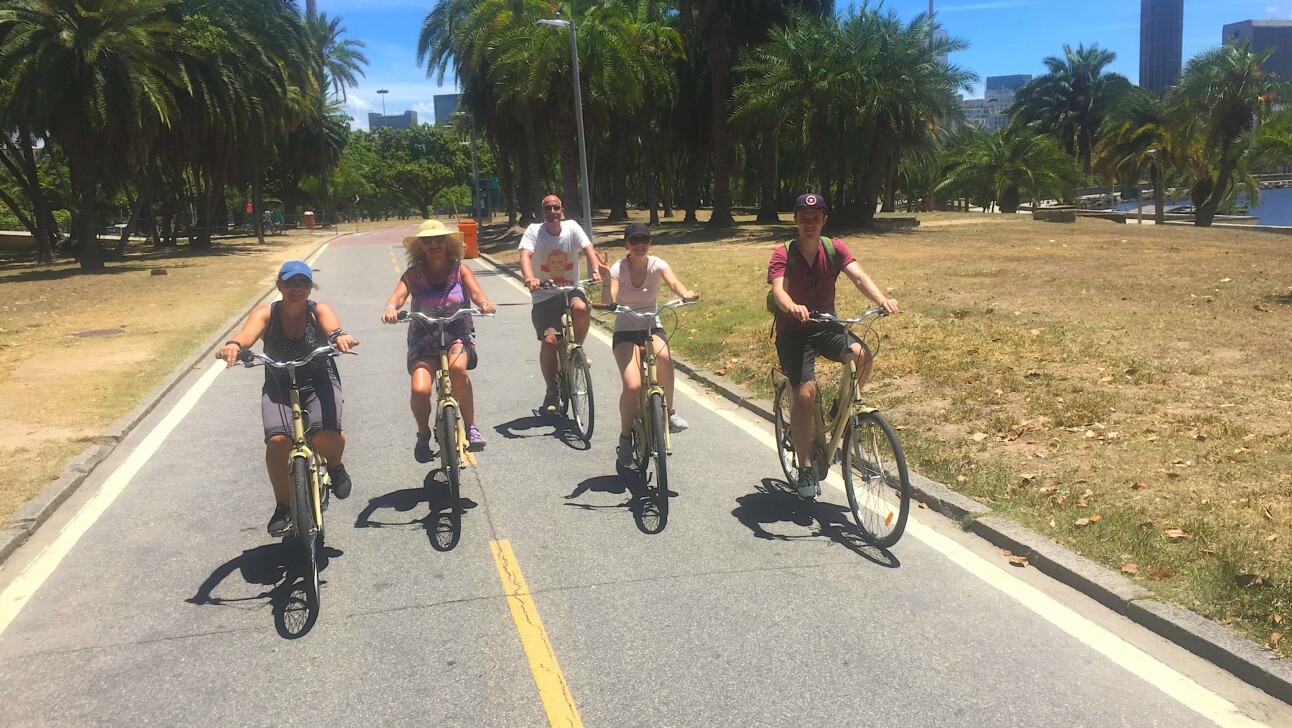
(251, 332)
(332, 323)
(787, 304)
(610, 291)
(396, 301)
(594, 262)
(527, 269)
(868, 287)
(476, 293)
(682, 292)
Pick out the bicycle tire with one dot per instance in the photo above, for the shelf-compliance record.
(658, 453)
(875, 476)
(302, 508)
(784, 441)
(448, 431)
(581, 406)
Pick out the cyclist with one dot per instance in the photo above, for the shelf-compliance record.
(634, 284)
(440, 285)
(292, 328)
(802, 273)
(555, 245)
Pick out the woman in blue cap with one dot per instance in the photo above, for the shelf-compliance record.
(292, 328)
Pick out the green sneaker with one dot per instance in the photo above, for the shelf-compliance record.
(807, 487)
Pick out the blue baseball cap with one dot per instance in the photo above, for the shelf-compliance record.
(295, 268)
(812, 201)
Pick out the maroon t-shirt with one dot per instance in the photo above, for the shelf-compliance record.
(812, 285)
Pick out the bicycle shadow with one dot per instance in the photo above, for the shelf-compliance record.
(562, 429)
(281, 570)
(442, 523)
(775, 502)
(626, 481)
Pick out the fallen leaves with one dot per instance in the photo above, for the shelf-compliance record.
(978, 436)
(1130, 569)
(1139, 485)
(1019, 561)
(1275, 637)
(1177, 534)
(1086, 521)
(1250, 580)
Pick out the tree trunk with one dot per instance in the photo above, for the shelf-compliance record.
(89, 255)
(768, 174)
(257, 201)
(719, 72)
(890, 186)
(1159, 196)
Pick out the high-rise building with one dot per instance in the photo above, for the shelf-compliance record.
(1161, 38)
(1266, 35)
(403, 121)
(990, 112)
(445, 106)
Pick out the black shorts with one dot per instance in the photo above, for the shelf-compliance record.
(637, 338)
(798, 349)
(546, 315)
(321, 403)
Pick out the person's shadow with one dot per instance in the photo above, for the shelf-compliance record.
(280, 571)
(561, 429)
(443, 521)
(774, 502)
(626, 481)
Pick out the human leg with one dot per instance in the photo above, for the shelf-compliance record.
(423, 382)
(626, 359)
(581, 316)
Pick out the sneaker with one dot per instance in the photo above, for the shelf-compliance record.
(281, 522)
(475, 439)
(676, 423)
(807, 486)
(340, 481)
(550, 402)
(625, 451)
(422, 450)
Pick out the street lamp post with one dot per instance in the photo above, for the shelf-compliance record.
(578, 118)
(475, 169)
(1158, 218)
(382, 92)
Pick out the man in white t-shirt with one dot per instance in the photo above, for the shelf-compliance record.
(549, 251)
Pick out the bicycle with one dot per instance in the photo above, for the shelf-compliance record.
(649, 433)
(454, 449)
(311, 483)
(872, 462)
(574, 376)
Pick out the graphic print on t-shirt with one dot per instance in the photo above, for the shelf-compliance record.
(556, 268)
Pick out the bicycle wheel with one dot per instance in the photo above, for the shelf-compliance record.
(874, 473)
(303, 523)
(784, 442)
(657, 455)
(581, 410)
(448, 435)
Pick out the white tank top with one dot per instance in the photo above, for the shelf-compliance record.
(638, 298)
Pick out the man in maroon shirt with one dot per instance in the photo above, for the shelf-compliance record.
(809, 288)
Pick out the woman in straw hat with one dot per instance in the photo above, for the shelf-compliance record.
(440, 285)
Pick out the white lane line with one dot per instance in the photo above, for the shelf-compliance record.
(314, 258)
(1139, 663)
(20, 591)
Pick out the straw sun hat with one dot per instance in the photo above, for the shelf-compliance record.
(432, 229)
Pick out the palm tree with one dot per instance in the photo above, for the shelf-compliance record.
(337, 64)
(1221, 96)
(1011, 164)
(1071, 101)
(96, 77)
(1137, 136)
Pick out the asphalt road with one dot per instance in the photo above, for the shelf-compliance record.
(151, 598)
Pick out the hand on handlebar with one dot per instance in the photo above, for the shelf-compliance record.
(390, 316)
(229, 353)
(345, 343)
(532, 283)
(890, 305)
(487, 308)
(799, 313)
(690, 296)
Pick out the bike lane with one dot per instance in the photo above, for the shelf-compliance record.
(751, 607)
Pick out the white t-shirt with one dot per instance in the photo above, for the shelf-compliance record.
(638, 298)
(556, 257)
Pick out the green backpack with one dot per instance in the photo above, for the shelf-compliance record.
(791, 261)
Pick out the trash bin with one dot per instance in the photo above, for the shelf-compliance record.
(470, 241)
(307, 219)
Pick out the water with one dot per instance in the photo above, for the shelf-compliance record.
(1275, 207)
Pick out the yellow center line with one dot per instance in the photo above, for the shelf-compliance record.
(552, 688)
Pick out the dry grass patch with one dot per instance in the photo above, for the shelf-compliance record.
(1064, 372)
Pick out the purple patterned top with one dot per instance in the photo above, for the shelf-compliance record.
(436, 299)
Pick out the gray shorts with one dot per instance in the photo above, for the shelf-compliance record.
(546, 315)
(321, 402)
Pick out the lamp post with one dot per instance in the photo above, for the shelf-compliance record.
(475, 170)
(578, 118)
(382, 92)
(1158, 193)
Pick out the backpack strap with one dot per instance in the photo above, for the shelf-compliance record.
(831, 253)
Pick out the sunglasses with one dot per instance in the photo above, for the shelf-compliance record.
(298, 282)
(437, 240)
(551, 207)
(638, 240)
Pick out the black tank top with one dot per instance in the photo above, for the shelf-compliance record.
(283, 348)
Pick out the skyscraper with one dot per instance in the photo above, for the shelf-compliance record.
(1161, 37)
(1265, 35)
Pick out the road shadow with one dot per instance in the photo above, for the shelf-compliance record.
(628, 482)
(279, 572)
(775, 502)
(442, 522)
(561, 428)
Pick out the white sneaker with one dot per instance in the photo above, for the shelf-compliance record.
(676, 423)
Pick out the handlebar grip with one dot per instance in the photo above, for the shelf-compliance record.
(244, 356)
(402, 316)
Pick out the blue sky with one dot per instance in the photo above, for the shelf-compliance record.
(1005, 37)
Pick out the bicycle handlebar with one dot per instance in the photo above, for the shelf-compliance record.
(249, 357)
(406, 316)
(648, 313)
(548, 285)
(831, 318)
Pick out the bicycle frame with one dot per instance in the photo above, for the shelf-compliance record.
(568, 342)
(443, 383)
(646, 361)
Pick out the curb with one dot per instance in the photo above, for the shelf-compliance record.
(23, 522)
(1191, 631)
